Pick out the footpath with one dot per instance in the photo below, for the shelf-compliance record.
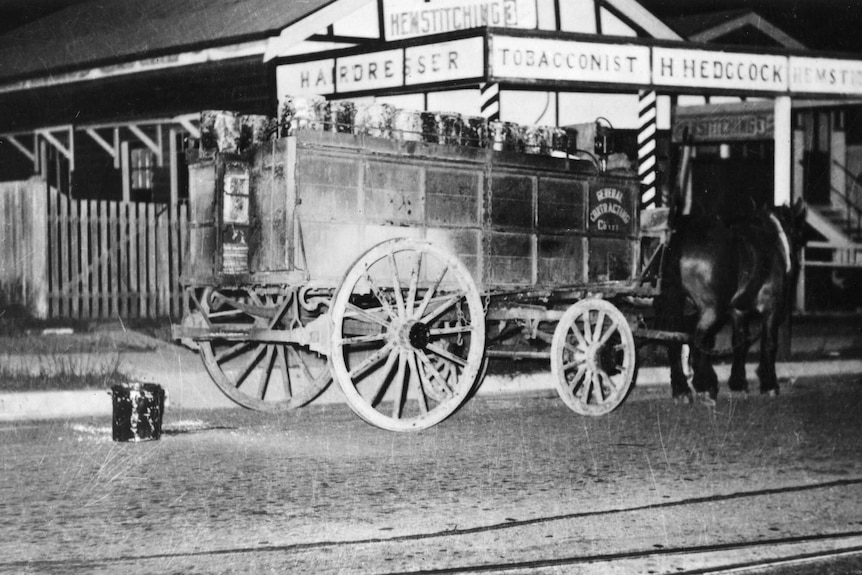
(821, 348)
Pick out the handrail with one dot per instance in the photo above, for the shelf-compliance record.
(849, 204)
(841, 258)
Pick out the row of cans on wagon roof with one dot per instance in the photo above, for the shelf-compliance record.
(232, 133)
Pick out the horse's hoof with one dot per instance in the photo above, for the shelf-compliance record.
(771, 392)
(684, 399)
(706, 399)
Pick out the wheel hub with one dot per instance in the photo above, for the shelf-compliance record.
(418, 335)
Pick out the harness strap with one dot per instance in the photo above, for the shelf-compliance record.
(785, 244)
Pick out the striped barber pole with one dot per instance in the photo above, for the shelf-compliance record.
(490, 101)
(646, 147)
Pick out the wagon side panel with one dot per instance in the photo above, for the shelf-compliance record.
(612, 230)
(453, 207)
(560, 218)
(509, 242)
(272, 208)
(202, 222)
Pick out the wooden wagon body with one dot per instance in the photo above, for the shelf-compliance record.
(392, 265)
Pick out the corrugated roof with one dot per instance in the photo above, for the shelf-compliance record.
(102, 32)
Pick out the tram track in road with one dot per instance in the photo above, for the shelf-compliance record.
(799, 546)
(695, 560)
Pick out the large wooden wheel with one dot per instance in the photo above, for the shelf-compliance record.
(408, 336)
(593, 357)
(257, 374)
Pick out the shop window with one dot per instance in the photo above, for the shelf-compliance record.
(142, 168)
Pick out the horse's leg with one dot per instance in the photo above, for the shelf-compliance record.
(705, 381)
(768, 352)
(740, 343)
(678, 381)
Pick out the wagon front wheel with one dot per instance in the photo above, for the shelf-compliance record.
(408, 335)
(593, 357)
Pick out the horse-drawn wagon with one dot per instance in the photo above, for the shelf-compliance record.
(398, 266)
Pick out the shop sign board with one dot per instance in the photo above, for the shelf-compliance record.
(410, 19)
(520, 58)
(384, 70)
(525, 58)
(724, 125)
(679, 67)
(825, 75)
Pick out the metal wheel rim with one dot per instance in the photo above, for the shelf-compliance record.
(398, 367)
(581, 356)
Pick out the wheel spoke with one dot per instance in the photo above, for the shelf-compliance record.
(399, 386)
(606, 379)
(396, 286)
(380, 296)
(446, 355)
(303, 366)
(435, 373)
(370, 362)
(441, 309)
(430, 293)
(233, 351)
(266, 372)
(579, 361)
(598, 394)
(414, 285)
(441, 331)
(607, 335)
(384, 380)
(285, 372)
(582, 342)
(574, 350)
(414, 368)
(579, 375)
(588, 328)
(250, 365)
(599, 325)
(282, 307)
(586, 387)
(366, 314)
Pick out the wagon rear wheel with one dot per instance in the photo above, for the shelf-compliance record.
(408, 335)
(593, 357)
(260, 375)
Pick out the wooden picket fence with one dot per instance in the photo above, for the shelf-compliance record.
(110, 259)
(23, 246)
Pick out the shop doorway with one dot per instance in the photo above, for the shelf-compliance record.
(732, 180)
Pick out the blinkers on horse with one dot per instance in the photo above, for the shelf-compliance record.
(733, 272)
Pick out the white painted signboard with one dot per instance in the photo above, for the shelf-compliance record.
(825, 75)
(568, 61)
(387, 69)
(680, 67)
(404, 19)
(528, 59)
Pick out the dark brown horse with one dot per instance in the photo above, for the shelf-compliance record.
(734, 272)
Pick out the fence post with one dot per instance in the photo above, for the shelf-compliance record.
(84, 273)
